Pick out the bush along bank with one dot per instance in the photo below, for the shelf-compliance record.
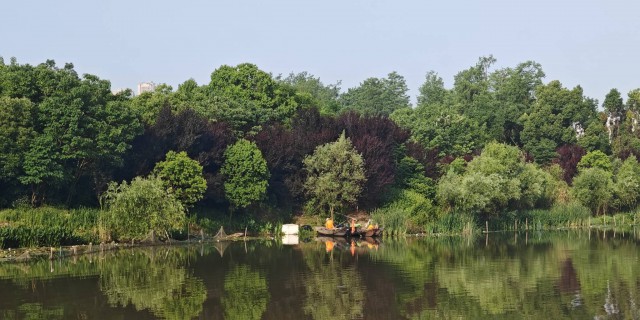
(54, 227)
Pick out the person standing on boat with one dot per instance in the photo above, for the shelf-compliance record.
(329, 224)
(353, 226)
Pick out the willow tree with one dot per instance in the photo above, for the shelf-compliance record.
(335, 174)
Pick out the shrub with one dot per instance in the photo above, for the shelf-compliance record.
(592, 187)
(133, 210)
(410, 212)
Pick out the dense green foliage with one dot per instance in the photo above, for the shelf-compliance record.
(183, 175)
(134, 209)
(246, 174)
(496, 180)
(500, 140)
(335, 175)
(375, 97)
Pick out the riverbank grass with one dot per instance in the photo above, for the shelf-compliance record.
(48, 226)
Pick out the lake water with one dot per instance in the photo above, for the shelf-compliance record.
(549, 275)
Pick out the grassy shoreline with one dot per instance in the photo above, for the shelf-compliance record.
(27, 232)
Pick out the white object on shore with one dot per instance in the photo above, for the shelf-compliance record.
(290, 228)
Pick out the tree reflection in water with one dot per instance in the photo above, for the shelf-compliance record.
(550, 275)
(33, 311)
(333, 290)
(154, 280)
(245, 294)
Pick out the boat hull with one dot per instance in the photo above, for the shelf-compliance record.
(336, 232)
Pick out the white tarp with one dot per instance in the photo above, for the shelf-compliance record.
(290, 228)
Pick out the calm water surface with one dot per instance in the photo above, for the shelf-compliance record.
(551, 275)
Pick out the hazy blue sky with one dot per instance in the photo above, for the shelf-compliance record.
(592, 43)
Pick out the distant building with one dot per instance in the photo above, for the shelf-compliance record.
(146, 87)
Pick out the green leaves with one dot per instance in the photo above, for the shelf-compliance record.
(335, 175)
(595, 159)
(497, 180)
(16, 133)
(554, 119)
(246, 174)
(58, 127)
(132, 210)
(592, 187)
(183, 175)
(246, 97)
(378, 97)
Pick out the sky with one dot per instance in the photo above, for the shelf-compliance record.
(591, 43)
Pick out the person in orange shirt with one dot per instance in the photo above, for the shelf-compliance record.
(353, 226)
(329, 224)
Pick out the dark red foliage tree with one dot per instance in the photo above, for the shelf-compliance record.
(377, 139)
(428, 158)
(186, 131)
(568, 157)
(284, 149)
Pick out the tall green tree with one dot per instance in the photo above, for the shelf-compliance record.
(148, 104)
(88, 128)
(42, 167)
(378, 97)
(184, 176)
(613, 103)
(310, 88)
(335, 175)
(246, 174)
(559, 116)
(473, 98)
(432, 91)
(441, 128)
(514, 91)
(16, 133)
(626, 137)
(81, 130)
(247, 97)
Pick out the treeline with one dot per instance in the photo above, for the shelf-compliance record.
(497, 141)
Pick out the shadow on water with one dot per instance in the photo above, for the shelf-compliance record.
(563, 274)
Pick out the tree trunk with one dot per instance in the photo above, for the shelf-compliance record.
(74, 183)
(331, 209)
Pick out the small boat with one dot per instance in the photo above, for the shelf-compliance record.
(368, 232)
(336, 232)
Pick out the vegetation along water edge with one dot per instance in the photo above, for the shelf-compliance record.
(501, 149)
